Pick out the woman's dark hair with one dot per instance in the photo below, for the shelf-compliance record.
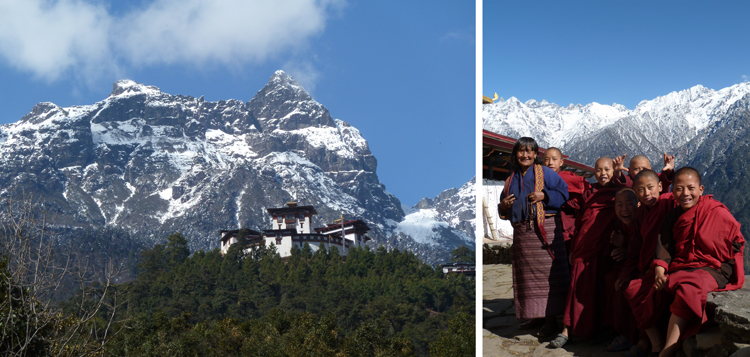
(524, 143)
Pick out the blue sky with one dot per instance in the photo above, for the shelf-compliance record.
(402, 72)
(612, 51)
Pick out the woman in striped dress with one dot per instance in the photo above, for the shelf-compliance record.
(531, 200)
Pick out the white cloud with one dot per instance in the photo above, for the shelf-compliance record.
(304, 73)
(745, 78)
(49, 37)
(226, 31)
(459, 35)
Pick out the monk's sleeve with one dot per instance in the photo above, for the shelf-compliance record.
(623, 181)
(665, 177)
(630, 269)
(556, 189)
(665, 242)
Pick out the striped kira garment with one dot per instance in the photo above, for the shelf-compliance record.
(540, 285)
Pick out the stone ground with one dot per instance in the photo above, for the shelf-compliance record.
(501, 336)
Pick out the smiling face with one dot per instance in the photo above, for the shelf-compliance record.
(625, 205)
(687, 190)
(637, 164)
(525, 157)
(603, 170)
(647, 188)
(553, 159)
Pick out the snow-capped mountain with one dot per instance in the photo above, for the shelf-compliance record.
(448, 219)
(155, 163)
(664, 124)
(707, 129)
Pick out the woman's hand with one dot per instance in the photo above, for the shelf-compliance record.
(535, 197)
(507, 202)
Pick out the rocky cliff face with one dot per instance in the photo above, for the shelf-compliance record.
(707, 129)
(154, 163)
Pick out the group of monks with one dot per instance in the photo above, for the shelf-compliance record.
(645, 249)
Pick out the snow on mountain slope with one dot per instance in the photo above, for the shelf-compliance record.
(452, 209)
(155, 163)
(663, 124)
(552, 124)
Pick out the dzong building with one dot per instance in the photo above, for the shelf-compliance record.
(291, 226)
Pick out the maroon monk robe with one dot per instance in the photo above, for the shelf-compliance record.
(617, 310)
(641, 248)
(586, 293)
(704, 255)
(645, 235)
(570, 212)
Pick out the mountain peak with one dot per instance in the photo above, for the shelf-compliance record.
(281, 82)
(43, 111)
(129, 87)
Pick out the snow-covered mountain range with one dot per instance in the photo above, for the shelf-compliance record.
(448, 219)
(707, 129)
(664, 124)
(154, 163)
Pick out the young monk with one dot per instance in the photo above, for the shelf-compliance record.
(639, 163)
(585, 294)
(699, 251)
(577, 186)
(617, 311)
(636, 279)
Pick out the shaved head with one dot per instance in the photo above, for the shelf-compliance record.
(647, 174)
(553, 149)
(687, 188)
(688, 171)
(629, 191)
(637, 164)
(604, 160)
(604, 170)
(626, 202)
(640, 159)
(553, 159)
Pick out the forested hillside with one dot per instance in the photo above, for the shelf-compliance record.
(370, 303)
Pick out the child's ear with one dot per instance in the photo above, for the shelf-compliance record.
(659, 186)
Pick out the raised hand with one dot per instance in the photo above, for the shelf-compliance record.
(668, 162)
(619, 163)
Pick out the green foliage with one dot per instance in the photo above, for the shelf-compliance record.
(369, 303)
(459, 339)
(176, 250)
(462, 254)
